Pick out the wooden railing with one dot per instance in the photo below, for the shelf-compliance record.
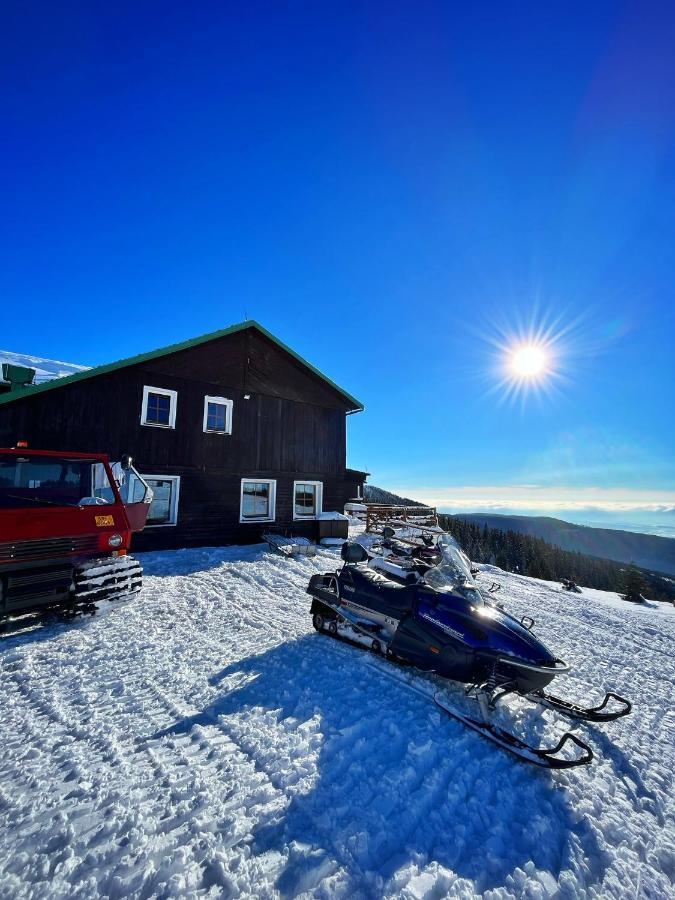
(378, 515)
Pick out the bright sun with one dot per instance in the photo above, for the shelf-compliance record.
(529, 361)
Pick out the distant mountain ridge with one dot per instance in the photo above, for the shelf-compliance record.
(649, 551)
(374, 494)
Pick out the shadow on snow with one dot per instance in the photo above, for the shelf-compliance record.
(397, 782)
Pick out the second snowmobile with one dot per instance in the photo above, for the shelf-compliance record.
(425, 549)
(436, 619)
(568, 584)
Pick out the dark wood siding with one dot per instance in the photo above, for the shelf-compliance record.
(209, 510)
(292, 426)
(104, 414)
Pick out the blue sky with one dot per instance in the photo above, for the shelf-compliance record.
(394, 190)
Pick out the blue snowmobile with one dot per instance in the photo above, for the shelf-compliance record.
(437, 619)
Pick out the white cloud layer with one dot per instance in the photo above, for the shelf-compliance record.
(533, 497)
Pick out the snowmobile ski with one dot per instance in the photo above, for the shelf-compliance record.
(545, 756)
(585, 714)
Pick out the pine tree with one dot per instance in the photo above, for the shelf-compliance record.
(515, 552)
(633, 585)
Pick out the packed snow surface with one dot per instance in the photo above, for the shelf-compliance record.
(202, 740)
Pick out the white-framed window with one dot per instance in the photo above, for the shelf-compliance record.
(159, 407)
(258, 500)
(218, 415)
(164, 507)
(307, 499)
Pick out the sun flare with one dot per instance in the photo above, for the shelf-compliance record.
(533, 358)
(529, 361)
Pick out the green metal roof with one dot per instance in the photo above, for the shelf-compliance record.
(31, 390)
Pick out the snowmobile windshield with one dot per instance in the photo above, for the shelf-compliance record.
(453, 572)
(447, 595)
(444, 580)
(453, 559)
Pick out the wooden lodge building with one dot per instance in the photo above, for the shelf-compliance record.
(235, 433)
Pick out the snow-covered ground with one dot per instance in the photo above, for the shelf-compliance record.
(45, 369)
(203, 740)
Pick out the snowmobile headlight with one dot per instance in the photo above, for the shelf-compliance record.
(115, 540)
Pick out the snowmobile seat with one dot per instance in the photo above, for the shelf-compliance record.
(371, 589)
(352, 552)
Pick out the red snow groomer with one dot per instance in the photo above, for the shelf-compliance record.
(66, 521)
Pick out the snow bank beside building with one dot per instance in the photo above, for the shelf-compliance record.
(202, 740)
